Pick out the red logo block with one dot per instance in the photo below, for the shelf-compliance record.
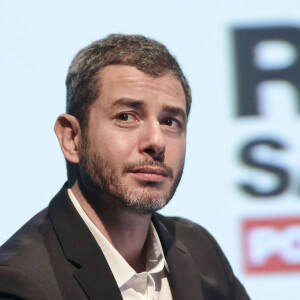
(271, 245)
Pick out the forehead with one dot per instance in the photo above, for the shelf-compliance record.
(119, 81)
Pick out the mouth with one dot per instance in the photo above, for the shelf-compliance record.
(150, 174)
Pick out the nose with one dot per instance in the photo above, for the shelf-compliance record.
(152, 142)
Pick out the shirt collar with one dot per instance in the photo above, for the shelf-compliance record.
(122, 271)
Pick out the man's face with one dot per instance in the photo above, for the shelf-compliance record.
(134, 147)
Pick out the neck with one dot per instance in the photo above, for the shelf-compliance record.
(125, 230)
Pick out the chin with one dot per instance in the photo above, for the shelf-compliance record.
(145, 202)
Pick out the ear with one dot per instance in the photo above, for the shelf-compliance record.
(68, 132)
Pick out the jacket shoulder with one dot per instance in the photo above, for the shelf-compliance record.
(26, 242)
(26, 260)
(208, 256)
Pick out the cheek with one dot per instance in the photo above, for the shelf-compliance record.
(176, 154)
(181, 156)
(117, 148)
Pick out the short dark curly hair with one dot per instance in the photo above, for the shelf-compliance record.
(145, 54)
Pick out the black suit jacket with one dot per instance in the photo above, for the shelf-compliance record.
(54, 256)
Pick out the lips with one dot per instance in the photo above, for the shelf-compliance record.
(151, 170)
(150, 173)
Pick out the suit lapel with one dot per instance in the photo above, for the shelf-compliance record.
(92, 271)
(183, 277)
(96, 280)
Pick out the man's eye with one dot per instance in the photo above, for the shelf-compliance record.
(125, 117)
(171, 122)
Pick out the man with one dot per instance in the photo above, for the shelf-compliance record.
(123, 138)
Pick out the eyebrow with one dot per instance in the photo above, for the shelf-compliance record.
(139, 104)
(133, 103)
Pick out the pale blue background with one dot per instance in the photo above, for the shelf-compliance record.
(38, 40)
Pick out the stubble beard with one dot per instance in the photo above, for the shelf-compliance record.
(102, 179)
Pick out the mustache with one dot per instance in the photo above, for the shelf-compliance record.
(132, 166)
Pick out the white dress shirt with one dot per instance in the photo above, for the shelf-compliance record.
(152, 284)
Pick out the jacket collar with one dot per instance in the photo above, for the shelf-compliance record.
(183, 277)
(92, 270)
